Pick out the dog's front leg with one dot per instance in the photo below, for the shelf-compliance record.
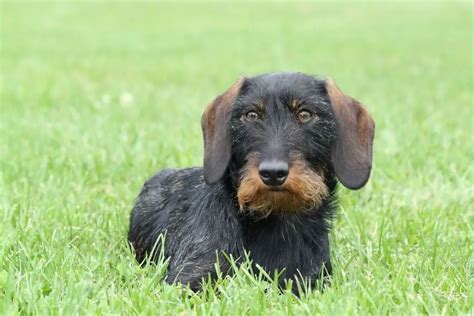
(210, 230)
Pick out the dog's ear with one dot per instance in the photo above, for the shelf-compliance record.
(216, 130)
(352, 152)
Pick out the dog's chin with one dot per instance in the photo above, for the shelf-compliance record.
(277, 189)
(277, 200)
(261, 200)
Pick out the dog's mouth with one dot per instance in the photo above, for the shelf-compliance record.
(303, 189)
(279, 188)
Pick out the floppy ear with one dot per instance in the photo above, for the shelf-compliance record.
(216, 130)
(352, 153)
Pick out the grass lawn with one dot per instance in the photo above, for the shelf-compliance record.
(95, 98)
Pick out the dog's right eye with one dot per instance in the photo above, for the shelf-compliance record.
(305, 116)
(251, 116)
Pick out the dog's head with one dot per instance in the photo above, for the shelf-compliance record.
(279, 136)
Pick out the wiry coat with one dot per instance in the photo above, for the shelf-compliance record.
(226, 207)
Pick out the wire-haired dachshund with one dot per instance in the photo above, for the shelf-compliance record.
(274, 146)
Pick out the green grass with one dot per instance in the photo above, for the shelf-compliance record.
(95, 98)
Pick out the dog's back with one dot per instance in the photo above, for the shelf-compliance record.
(160, 206)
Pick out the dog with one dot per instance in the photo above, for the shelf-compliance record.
(275, 147)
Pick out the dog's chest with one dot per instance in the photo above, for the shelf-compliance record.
(288, 245)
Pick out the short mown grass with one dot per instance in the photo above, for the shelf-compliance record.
(96, 97)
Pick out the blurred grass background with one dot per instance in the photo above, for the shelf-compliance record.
(96, 97)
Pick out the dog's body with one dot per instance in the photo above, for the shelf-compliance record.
(274, 145)
(200, 219)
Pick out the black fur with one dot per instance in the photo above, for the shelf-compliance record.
(203, 219)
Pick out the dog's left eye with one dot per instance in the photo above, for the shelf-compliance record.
(304, 116)
(251, 116)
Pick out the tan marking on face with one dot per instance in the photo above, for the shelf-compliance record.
(295, 104)
(260, 106)
(303, 189)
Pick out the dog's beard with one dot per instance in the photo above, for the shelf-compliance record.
(303, 189)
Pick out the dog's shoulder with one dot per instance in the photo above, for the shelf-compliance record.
(162, 201)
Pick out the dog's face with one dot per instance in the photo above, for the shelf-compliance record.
(280, 136)
(282, 131)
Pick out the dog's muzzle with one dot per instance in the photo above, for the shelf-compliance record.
(278, 187)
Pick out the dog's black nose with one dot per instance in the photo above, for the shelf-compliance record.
(273, 173)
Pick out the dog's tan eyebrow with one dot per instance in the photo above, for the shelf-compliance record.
(295, 104)
(260, 105)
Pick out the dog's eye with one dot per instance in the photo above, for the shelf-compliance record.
(305, 116)
(251, 116)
